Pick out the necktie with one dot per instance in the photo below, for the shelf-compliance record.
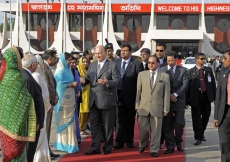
(171, 69)
(98, 69)
(228, 90)
(122, 72)
(152, 79)
(202, 83)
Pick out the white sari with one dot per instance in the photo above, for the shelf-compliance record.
(42, 153)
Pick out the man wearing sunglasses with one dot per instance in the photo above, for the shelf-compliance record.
(160, 53)
(201, 92)
(222, 108)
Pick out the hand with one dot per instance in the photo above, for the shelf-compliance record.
(82, 80)
(173, 98)
(51, 109)
(165, 113)
(74, 84)
(215, 123)
(137, 110)
(37, 128)
(103, 81)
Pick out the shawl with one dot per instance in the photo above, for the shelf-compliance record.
(17, 111)
(63, 76)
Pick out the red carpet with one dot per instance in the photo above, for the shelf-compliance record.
(122, 155)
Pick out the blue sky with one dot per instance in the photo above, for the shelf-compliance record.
(122, 1)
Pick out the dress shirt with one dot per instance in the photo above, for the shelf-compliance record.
(144, 64)
(155, 75)
(174, 71)
(161, 61)
(27, 70)
(102, 63)
(47, 64)
(127, 62)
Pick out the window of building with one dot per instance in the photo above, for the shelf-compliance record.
(89, 44)
(221, 47)
(162, 21)
(177, 24)
(56, 21)
(210, 23)
(118, 23)
(74, 22)
(132, 24)
(134, 46)
(89, 24)
(192, 22)
(43, 45)
(145, 23)
(33, 22)
(223, 25)
(44, 25)
(99, 22)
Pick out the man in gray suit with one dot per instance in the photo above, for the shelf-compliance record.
(152, 103)
(222, 108)
(103, 77)
(49, 57)
(175, 119)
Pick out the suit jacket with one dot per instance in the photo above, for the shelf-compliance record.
(154, 100)
(51, 83)
(179, 85)
(221, 96)
(164, 63)
(214, 65)
(146, 66)
(194, 85)
(35, 91)
(129, 81)
(104, 96)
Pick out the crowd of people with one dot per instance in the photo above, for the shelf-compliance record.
(102, 92)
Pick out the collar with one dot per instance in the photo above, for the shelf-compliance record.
(47, 64)
(103, 62)
(144, 62)
(174, 67)
(198, 67)
(156, 71)
(27, 70)
(127, 61)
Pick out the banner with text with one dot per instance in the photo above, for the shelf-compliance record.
(144, 8)
(177, 8)
(217, 8)
(41, 7)
(97, 7)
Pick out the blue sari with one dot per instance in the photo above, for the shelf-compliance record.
(66, 139)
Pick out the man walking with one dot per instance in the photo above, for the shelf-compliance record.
(175, 118)
(217, 67)
(222, 109)
(129, 69)
(103, 77)
(152, 103)
(201, 92)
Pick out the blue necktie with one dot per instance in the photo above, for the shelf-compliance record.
(122, 73)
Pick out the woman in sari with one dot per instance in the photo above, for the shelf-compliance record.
(66, 139)
(17, 112)
(42, 153)
(84, 105)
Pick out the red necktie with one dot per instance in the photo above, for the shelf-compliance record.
(202, 83)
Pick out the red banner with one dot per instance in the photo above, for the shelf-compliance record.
(41, 7)
(217, 8)
(87, 7)
(137, 8)
(177, 8)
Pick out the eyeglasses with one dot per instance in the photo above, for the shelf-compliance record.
(225, 58)
(202, 59)
(144, 54)
(159, 50)
(151, 63)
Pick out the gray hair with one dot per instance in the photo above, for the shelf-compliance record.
(27, 60)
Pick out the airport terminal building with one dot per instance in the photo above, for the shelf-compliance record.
(183, 27)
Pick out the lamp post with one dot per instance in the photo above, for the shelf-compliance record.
(64, 26)
(83, 25)
(102, 22)
(47, 26)
(10, 27)
(29, 23)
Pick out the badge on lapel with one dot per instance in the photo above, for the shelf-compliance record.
(223, 75)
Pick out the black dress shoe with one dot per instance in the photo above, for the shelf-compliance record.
(169, 151)
(203, 138)
(106, 151)
(154, 154)
(117, 146)
(142, 149)
(54, 155)
(197, 142)
(130, 144)
(52, 158)
(179, 147)
(91, 152)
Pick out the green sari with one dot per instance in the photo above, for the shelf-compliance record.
(17, 112)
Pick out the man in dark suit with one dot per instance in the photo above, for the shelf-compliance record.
(145, 54)
(49, 57)
(217, 67)
(29, 63)
(160, 53)
(222, 108)
(175, 118)
(103, 77)
(129, 69)
(201, 92)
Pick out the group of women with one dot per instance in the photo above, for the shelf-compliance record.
(17, 113)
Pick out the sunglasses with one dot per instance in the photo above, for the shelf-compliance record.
(159, 50)
(202, 58)
(151, 63)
